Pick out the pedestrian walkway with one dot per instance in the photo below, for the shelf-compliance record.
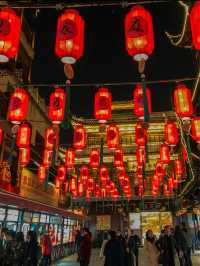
(95, 261)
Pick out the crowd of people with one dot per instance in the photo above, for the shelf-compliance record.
(119, 249)
(17, 251)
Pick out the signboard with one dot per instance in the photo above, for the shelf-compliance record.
(27, 217)
(32, 189)
(55, 220)
(12, 215)
(36, 217)
(43, 218)
(103, 222)
(134, 221)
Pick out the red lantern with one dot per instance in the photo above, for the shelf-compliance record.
(103, 174)
(140, 156)
(103, 105)
(50, 139)
(165, 190)
(70, 36)
(73, 184)
(183, 101)
(10, 28)
(170, 183)
(118, 158)
(57, 106)
(57, 183)
(112, 136)
(84, 173)
(23, 136)
(90, 184)
(80, 138)
(178, 167)
(41, 173)
(164, 154)
(171, 133)
(80, 188)
(24, 156)
(140, 135)
(115, 194)
(195, 129)
(18, 106)
(94, 158)
(160, 172)
(1, 135)
(139, 33)
(195, 24)
(61, 173)
(138, 101)
(70, 158)
(47, 157)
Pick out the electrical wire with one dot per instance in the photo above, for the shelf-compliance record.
(60, 6)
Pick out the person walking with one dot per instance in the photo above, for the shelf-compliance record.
(134, 243)
(46, 250)
(188, 240)
(105, 240)
(32, 249)
(19, 249)
(85, 248)
(152, 252)
(113, 251)
(167, 248)
(180, 245)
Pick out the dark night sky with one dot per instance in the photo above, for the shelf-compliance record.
(106, 60)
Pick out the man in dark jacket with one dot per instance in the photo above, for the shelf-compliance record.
(113, 251)
(167, 247)
(134, 243)
(85, 247)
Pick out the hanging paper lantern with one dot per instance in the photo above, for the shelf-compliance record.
(41, 173)
(195, 129)
(171, 133)
(80, 138)
(1, 135)
(24, 156)
(47, 157)
(139, 33)
(24, 136)
(61, 173)
(10, 28)
(165, 190)
(195, 24)
(73, 184)
(118, 158)
(90, 184)
(164, 154)
(94, 158)
(160, 172)
(112, 136)
(140, 156)
(103, 174)
(178, 167)
(70, 36)
(57, 184)
(57, 106)
(18, 106)
(103, 105)
(80, 188)
(170, 183)
(50, 138)
(183, 101)
(70, 158)
(138, 105)
(140, 135)
(84, 173)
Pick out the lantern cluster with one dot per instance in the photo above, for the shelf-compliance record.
(57, 106)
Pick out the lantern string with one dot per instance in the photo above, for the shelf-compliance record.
(60, 6)
(123, 83)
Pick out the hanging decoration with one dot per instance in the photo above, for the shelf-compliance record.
(18, 106)
(80, 138)
(41, 173)
(140, 134)
(112, 136)
(57, 106)
(23, 136)
(50, 138)
(70, 158)
(138, 106)
(69, 44)
(84, 173)
(103, 174)
(103, 105)
(94, 158)
(178, 168)
(160, 172)
(140, 156)
(164, 154)
(183, 102)
(171, 134)
(139, 33)
(10, 29)
(118, 158)
(195, 129)
(61, 173)
(195, 24)
(47, 158)
(24, 156)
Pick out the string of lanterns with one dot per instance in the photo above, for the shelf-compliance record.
(69, 47)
